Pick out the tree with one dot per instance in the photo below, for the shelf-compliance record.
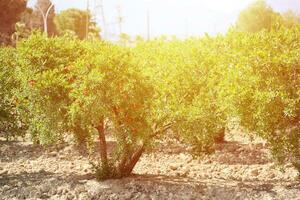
(73, 86)
(256, 17)
(290, 19)
(77, 21)
(10, 119)
(268, 88)
(37, 21)
(124, 39)
(184, 95)
(26, 18)
(11, 11)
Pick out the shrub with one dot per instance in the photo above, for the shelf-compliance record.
(193, 87)
(11, 124)
(43, 71)
(268, 101)
(187, 76)
(108, 87)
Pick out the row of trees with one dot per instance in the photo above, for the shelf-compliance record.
(259, 15)
(58, 86)
(17, 18)
(17, 21)
(61, 85)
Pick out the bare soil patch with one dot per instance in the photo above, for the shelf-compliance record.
(241, 168)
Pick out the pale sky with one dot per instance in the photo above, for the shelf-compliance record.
(171, 17)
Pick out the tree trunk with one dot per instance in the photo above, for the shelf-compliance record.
(220, 137)
(127, 169)
(102, 143)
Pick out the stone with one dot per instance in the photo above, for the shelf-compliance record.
(83, 196)
(255, 172)
(271, 175)
(70, 196)
(60, 190)
(173, 167)
(144, 197)
(80, 189)
(42, 171)
(19, 184)
(53, 154)
(94, 188)
(44, 188)
(5, 187)
(4, 172)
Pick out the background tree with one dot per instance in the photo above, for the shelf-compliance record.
(77, 21)
(37, 17)
(26, 18)
(124, 39)
(256, 17)
(290, 18)
(10, 14)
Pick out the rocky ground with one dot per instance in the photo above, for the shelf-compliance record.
(240, 169)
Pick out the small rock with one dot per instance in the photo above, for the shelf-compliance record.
(94, 188)
(297, 178)
(5, 187)
(271, 175)
(255, 172)
(85, 170)
(53, 154)
(53, 192)
(44, 188)
(173, 167)
(208, 161)
(42, 171)
(145, 197)
(44, 196)
(82, 181)
(19, 184)
(70, 196)
(80, 189)
(4, 172)
(83, 196)
(59, 190)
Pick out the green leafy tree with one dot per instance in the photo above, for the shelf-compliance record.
(291, 19)
(187, 78)
(42, 69)
(124, 39)
(11, 124)
(268, 97)
(77, 21)
(191, 88)
(110, 88)
(256, 17)
(10, 14)
(69, 86)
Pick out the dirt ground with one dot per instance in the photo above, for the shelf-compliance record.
(241, 168)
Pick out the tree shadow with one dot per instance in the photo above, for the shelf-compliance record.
(26, 178)
(234, 153)
(13, 150)
(201, 184)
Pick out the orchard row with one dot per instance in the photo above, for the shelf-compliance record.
(193, 88)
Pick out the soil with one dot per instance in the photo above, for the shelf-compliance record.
(241, 168)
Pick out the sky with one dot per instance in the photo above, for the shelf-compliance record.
(183, 18)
